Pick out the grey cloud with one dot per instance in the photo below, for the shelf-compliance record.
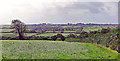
(72, 13)
(93, 7)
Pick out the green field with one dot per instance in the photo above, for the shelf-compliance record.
(9, 30)
(52, 34)
(66, 26)
(59, 31)
(8, 34)
(6, 30)
(94, 28)
(43, 49)
(71, 48)
(15, 34)
(31, 34)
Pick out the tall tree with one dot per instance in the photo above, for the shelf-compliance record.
(19, 27)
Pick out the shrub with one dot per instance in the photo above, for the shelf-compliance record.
(71, 36)
(118, 49)
(83, 34)
(93, 32)
(62, 38)
(104, 31)
(54, 37)
(59, 35)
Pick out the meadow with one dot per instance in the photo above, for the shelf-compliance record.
(93, 28)
(44, 49)
(15, 34)
(73, 47)
(51, 34)
(6, 30)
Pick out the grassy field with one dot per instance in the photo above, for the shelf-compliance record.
(66, 26)
(59, 31)
(30, 34)
(43, 49)
(9, 34)
(15, 34)
(52, 34)
(94, 28)
(6, 30)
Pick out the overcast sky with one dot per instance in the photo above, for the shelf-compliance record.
(59, 11)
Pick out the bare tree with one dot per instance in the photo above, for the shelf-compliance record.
(19, 27)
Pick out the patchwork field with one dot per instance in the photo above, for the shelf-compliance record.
(76, 44)
(43, 49)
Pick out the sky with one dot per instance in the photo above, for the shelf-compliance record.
(59, 11)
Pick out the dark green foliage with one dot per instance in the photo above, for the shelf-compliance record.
(109, 38)
(19, 27)
(59, 35)
(118, 49)
(62, 38)
(105, 31)
(98, 42)
(91, 33)
(83, 34)
(54, 37)
(71, 36)
(94, 32)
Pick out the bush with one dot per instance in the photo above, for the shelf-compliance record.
(71, 36)
(54, 37)
(104, 31)
(118, 49)
(93, 32)
(83, 34)
(59, 35)
(62, 38)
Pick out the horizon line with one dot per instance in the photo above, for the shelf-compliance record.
(62, 23)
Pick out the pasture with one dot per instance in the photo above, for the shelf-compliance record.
(93, 28)
(15, 34)
(43, 49)
(32, 34)
(51, 34)
(71, 48)
(6, 30)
